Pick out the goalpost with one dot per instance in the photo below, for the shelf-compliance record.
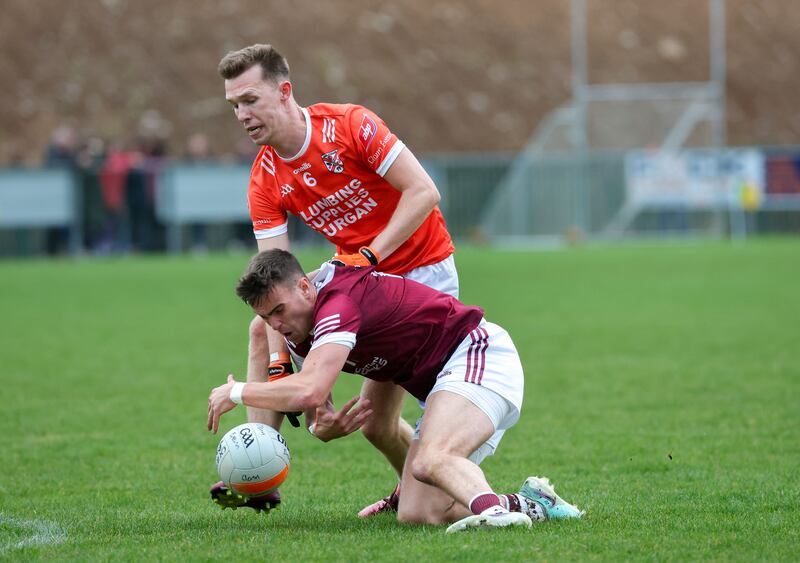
(570, 179)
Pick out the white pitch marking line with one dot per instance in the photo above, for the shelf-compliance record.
(44, 533)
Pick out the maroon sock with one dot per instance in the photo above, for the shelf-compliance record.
(481, 502)
(512, 504)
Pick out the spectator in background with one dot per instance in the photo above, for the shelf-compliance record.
(198, 153)
(90, 160)
(155, 160)
(60, 153)
(113, 177)
(62, 148)
(146, 163)
(198, 149)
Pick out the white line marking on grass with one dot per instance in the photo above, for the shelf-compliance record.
(43, 533)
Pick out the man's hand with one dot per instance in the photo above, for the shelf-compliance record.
(280, 368)
(219, 402)
(331, 424)
(365, 257)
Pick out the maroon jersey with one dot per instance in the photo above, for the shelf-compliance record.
(397, 329)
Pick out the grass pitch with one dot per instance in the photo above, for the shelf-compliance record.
(661, 397)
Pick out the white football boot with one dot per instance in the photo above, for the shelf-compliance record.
(499, 520)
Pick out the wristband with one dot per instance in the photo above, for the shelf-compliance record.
(236, 392)
(372, 257)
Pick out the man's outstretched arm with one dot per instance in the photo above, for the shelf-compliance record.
(306, 390)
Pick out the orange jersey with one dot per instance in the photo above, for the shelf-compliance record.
(335, 185)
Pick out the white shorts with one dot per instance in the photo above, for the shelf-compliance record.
(442, 276)
(486, 370)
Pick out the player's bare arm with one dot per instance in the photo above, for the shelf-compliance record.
(419, 197)
(306, 390)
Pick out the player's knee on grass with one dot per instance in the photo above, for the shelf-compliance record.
(421, 505)
(408, 517)
(421, 515)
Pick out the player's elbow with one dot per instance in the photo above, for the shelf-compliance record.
(425, 194)
(432, 194)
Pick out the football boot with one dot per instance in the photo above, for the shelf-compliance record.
(227, 498)
(538, 491)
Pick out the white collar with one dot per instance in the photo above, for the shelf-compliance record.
(324, 275)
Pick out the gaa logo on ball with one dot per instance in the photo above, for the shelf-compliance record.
(253, 459)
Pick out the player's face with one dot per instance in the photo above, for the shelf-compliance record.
(258, 104)
(289, 309)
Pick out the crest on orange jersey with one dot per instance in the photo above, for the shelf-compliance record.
(332, 162)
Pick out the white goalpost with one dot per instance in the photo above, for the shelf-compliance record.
(572, 175)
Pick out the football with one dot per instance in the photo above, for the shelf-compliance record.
(253, 459)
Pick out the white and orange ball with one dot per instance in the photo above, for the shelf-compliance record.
(253, 459)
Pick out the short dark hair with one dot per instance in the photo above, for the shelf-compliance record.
(273, 65)
(266, 270)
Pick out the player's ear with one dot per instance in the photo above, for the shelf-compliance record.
(304, 285)
(285, 89)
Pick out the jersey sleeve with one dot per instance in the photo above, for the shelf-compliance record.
(374, 143)
(263, 200)
(337, 321)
